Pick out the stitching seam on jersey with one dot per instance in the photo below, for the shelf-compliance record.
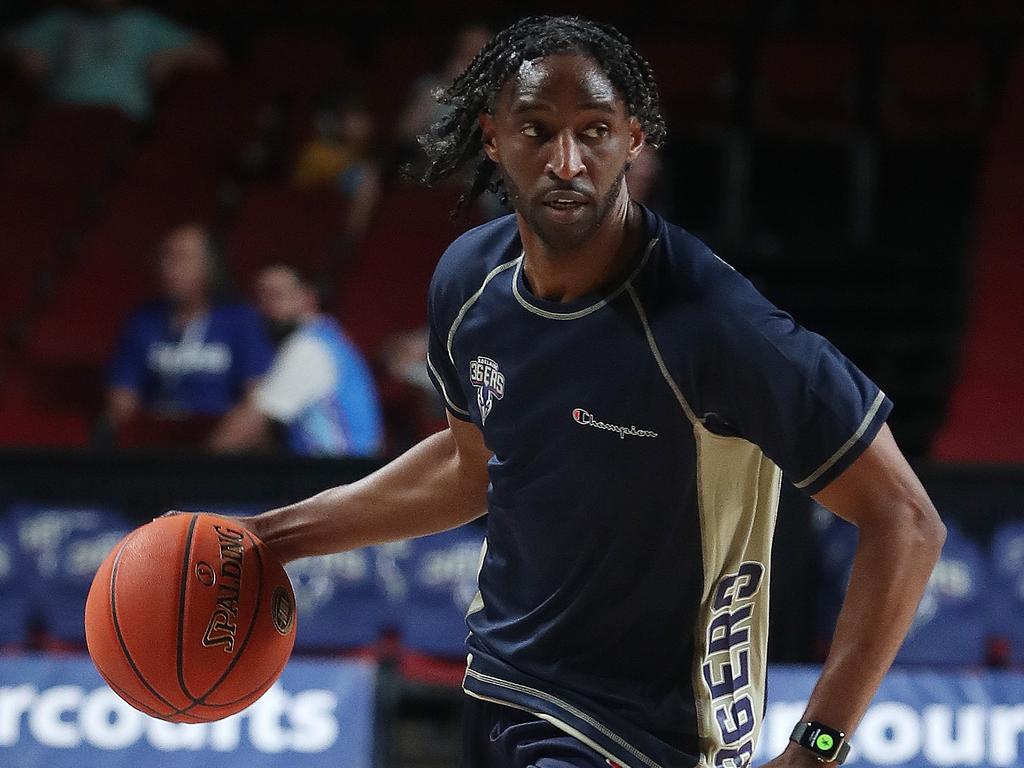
(557, 723)
(657, 357)
(870, 417)
(566, 707)
(587, 310)
(444, 390)
(472, 300)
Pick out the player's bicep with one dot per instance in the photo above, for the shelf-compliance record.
(473, 452)
(469, 440)
(879, 488)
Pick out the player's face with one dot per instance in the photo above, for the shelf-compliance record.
(562, 137)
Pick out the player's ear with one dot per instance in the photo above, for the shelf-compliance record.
(487, 139)
(636, 139)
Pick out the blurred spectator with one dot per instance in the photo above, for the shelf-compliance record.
(650, 182)
(319, 389)
(404, 355)
(341, 154)
(191, 353)
(101, 53)
(422, 109)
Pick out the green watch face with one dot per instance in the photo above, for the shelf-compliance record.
(824, 742)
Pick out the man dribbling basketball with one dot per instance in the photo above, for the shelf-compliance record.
(623, 405)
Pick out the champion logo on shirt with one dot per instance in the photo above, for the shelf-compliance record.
(586, 418)
(489, 383)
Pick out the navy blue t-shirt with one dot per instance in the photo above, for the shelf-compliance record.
(639, 441)
(200, 370)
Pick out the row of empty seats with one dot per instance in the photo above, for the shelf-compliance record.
(775, 132)
(972, 612)
(355, 602)
(419, 590)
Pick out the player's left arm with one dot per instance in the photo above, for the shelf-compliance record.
(901, 537)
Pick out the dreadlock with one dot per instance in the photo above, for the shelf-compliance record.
(457, 138)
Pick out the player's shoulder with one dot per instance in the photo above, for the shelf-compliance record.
(466, 263)
(690, 270)
(690, 287)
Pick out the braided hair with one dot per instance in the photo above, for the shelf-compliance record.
(457, 138)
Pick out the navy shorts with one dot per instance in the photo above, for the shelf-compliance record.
(496, 736)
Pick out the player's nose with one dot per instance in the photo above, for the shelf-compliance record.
(566, 160)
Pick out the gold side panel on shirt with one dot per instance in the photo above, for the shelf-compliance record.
(477, 603)
(738, 497)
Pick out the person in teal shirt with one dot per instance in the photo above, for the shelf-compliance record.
(106, 54)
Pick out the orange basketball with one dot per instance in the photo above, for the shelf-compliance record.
(190, 619)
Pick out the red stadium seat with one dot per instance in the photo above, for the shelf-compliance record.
(806, 85)
(151, 431)
(986, 406)
(870, 13)
(200, 107)
(988, 15)
(401, 58)
(812, 169)
(731, 13)
(385, 291)
(697, 78)
(43, 427)
(111, 277)
(71, 145)
(296, 62)
(934, 87)
(280, 223)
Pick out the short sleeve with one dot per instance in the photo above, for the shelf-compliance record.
(302, 373)
(792, 393)
(128, 366)
(440, 367)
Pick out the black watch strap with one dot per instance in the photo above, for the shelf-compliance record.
(825, 743)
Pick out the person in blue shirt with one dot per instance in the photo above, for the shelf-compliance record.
(624, 406)
(319, 388)
(191, 353)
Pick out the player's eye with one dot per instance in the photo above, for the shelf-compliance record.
(532, 130)
(596, 131)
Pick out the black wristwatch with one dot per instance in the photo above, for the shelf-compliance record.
(826, 744)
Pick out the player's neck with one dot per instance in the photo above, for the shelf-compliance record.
(565, 276)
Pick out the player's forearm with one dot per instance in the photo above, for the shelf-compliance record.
(890, 570)
(424, 490)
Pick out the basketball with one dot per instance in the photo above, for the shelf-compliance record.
(190, 618)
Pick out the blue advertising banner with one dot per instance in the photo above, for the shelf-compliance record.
(919, 719)
(56, 712)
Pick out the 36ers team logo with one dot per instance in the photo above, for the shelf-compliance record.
(489, 383)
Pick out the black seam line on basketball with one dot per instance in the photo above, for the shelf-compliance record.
(117, 627)
(248, 634)
(181, 609)
(144, 708)
(262, 688)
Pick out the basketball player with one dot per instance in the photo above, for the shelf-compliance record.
(623, 404)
